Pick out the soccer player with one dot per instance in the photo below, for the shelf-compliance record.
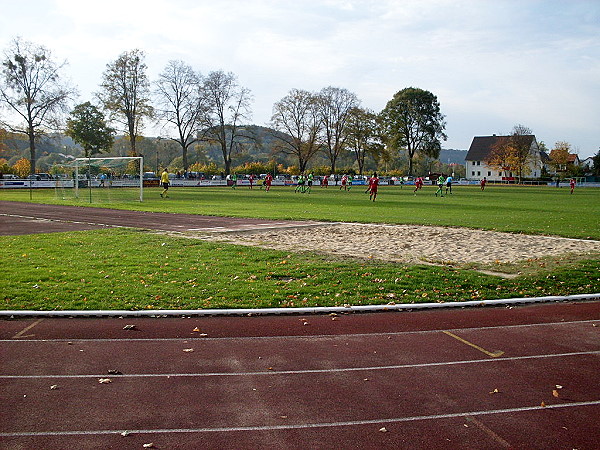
(344, 184)
(572, 184)
(449, 184)
(268, 181)
(418, 184)
(300, 186)
(309, 182)
(373, 186)
(251, 179)
(164, 180)
(483, 182)
(440, 182)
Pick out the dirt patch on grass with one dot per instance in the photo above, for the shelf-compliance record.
(413, 243)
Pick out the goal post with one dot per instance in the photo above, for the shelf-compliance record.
(107, 163)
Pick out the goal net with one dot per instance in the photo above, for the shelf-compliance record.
(102, 180)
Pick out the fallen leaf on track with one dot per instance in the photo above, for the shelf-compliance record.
(104, 380)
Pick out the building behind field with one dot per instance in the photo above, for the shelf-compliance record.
(479, 160)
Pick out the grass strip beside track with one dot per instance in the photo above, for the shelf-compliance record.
(132, 270)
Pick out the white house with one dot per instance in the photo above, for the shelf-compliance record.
(481, 149)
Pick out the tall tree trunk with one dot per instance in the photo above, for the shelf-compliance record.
(31, 152)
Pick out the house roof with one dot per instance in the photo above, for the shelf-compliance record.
(482, 146)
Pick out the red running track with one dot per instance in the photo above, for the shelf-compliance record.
(523, 377)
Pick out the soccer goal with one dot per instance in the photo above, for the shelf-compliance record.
(103, 180)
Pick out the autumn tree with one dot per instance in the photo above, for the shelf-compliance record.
(559, 156)
(335, 106)
(32, 90)
(180, 104)
(364, 135)
(87, 127)
(22, 167)
(125, 94)
(413, 122)
(228, 108)
(296, 116)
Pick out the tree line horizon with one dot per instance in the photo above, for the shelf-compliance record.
(214, 109)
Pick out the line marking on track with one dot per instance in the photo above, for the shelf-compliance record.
(464, 341)
(302, 426)
(488, 431)
(21, 334)
(300, 372)
(305, 337)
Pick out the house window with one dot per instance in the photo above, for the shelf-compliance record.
(478, 174)
(489, 173)
(473, 173)
(478, 163)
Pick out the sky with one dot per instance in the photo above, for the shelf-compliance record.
(492, 64)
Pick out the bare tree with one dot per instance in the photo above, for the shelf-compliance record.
(229, 108)
(126, 94)
(297, 118)
(180, 104)
(32, 90)
(335, 105)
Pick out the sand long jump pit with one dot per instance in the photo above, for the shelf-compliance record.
(488, 251)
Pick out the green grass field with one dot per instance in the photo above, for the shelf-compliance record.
(129, 269)
(530, 210)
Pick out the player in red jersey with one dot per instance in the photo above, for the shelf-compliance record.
(268, 181)
(344, 184)
(373, 185)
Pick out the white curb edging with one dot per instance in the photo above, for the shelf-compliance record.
(280, 311)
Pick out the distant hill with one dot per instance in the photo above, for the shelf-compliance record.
(450, 155)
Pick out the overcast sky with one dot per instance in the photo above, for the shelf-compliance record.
(491, 63)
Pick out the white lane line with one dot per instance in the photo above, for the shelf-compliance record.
(349, 423)
(305, 371)
(305, 337)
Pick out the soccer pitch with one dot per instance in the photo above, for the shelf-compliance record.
(128, 269)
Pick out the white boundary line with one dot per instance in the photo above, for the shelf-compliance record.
(300, 372)
(303, 425)
(306, 310)
(298, 336)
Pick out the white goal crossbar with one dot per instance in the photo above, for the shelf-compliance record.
(87, 162)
